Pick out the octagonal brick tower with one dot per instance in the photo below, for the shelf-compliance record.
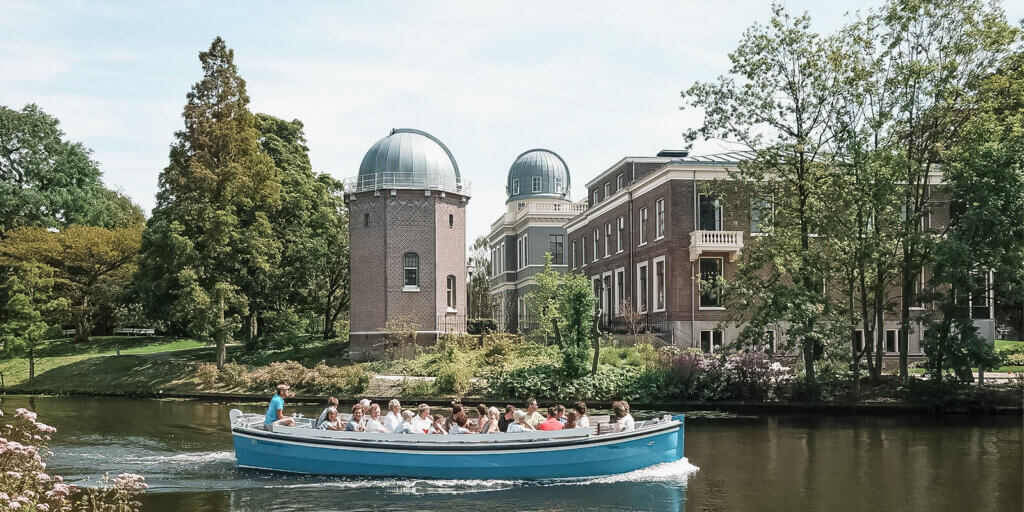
(407, 229)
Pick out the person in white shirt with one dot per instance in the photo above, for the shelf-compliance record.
(582, 420)
(394, 417)
(331, 422)
(460, 424)
(422, 422)
(624, 420)
(332, 403)
(373, 423)
(406, 426)
(519, 425)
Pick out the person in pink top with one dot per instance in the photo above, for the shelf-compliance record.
(552, 422)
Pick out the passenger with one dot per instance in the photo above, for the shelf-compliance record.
(356, 423)
(507, 419)
(332, 421)
(437, 427)
(552, 422)
(519, 425)
(460, 424)
(582, 420)
(490, 425)
(406, 426)
(624, 420)
(332, 403)
(481, 417)
(366, 409)
(571, 420)
(373, 423)
(275, 411)
(561, 413)
(533, 418)
(394, 417)
(421, 423)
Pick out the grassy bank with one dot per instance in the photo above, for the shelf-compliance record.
(500, 366)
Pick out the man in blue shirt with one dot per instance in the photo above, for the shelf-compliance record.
(275, 412)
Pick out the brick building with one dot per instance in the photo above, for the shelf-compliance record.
(652, 226)
(407, 229)
(537, 208)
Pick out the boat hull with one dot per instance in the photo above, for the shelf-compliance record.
(583, 458)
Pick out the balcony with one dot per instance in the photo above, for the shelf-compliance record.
(716, 241)
(539, 209)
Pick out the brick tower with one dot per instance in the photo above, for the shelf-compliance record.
(407, 229)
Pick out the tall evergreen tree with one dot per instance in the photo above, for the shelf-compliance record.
(209, 245)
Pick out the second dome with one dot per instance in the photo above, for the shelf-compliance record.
(538, 173)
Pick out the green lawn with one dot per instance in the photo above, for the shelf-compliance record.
(1006, 343)
(61, 353)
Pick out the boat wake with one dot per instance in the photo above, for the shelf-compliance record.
(671, 472)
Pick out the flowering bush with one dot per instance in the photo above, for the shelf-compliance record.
(26, 486)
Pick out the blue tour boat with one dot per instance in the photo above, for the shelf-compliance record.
(572, 453)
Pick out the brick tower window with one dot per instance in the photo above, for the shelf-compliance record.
(451, 220)
(451, 292)
(412, 270)
(366, 220)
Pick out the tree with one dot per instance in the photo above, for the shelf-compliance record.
(91, 266)
(49, 181)
(543, 302)
(776, 101)
(479, 286)
(935, 52)
(574, 331)
(311, 223)
(210, 245)
(30, 313)
(985, 182)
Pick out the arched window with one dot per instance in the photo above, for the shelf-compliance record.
(451, 220)
(451, 292)
(412, 270)
(366, 220)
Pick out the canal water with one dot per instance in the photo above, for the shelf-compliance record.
(734, 462)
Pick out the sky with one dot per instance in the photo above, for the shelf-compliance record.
(593, 81)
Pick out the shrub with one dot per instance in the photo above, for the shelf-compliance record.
(266, 378)
(751, 375)
(453, 379)
(342, 380)
(285, 328)
(417, 388)
(1012, 354)
(235, 375)
(207, 374)
(481, 325)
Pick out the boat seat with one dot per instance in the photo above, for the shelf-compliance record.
(605, 428)
(597, 420)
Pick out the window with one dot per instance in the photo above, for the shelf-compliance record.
(917, 291)
(451, 220)
(607, 239)
(620, 288)
(608, 189)
(643, 226)
(710, 270)
(769, 341)
(597, 290)
(536, 183)
(659, 283)
(711, 341)
(858, 338)
(515, 186)
(710, 212)
(558, 185)
(412, 270)
(583, 251)
(979, 296)
(762, 212)
(597, 197)
(557, 250)
(522, 251)
(451, 292)
(366, 220)
(574, 254)
(890, 340)
(621, 235)
(597, 232)
(659, 219)
(618, 182)
(641, 287)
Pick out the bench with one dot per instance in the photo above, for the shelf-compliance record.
(132, 331)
